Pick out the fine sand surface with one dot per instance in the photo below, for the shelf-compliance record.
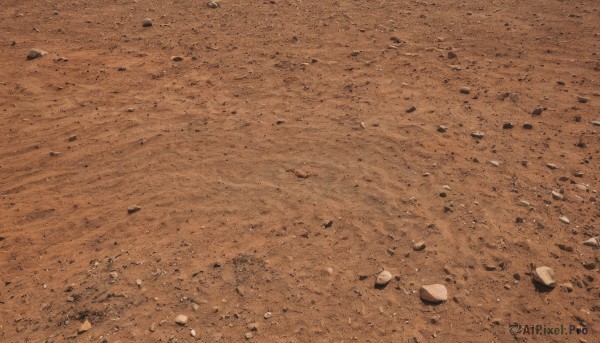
(281, 117)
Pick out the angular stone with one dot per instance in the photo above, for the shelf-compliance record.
(383, 278)
(435, 293)
(545, 276)
(86, 326)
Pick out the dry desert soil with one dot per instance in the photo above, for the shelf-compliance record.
(254, 165)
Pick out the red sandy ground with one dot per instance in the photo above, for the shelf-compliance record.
(233, 203)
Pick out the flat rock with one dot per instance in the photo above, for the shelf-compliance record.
(477, 134)
(181, 319)
(595, 122)
(545, 276)
(435, 293)
(176, 58)
(383, 278)
(593, 242)
(36, 53)
(564, 219)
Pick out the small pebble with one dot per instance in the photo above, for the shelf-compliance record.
(419, 246)
(147, 22)
(181, 319)
(502, 95)
(434, 293)
(133, 209)
(411, 109)
(177, 58)
(465, 90)
(477, 134)
(86, 326)
(36, 53)
(267, 315)
(545, 276)
(507, 125)
(442, 129)
(383, 279)
(556, 195)
(551, 166)
(248, 335)
(564, 219)
(489, 267)
(537, 111)
(213, 4)
(452, 55)
(593, 242)
(583, 100)
(568, 287)
(528, 126)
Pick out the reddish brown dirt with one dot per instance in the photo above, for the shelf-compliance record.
(233, 202)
